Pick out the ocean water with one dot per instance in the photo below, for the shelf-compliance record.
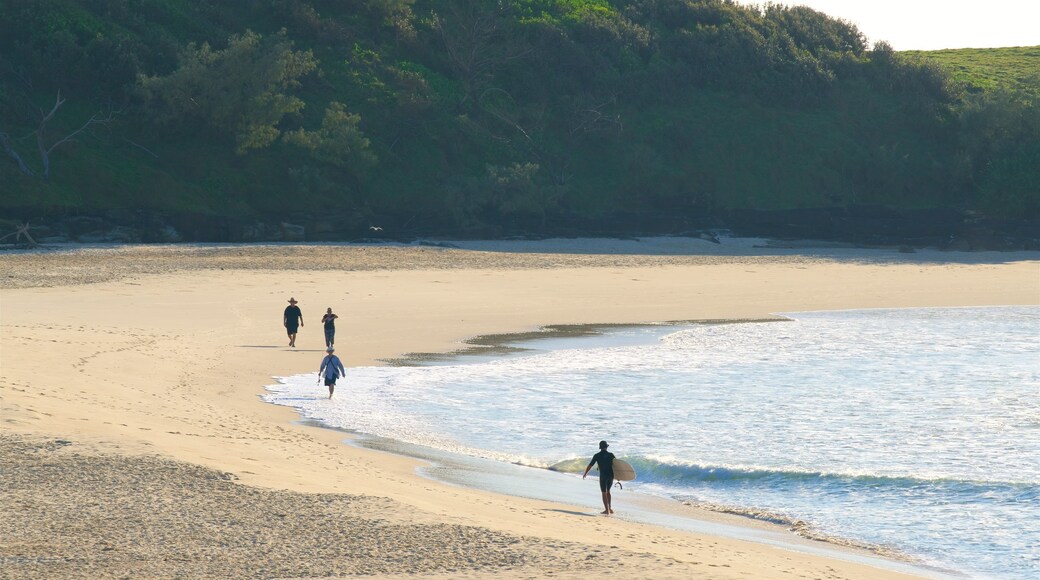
(911, 430)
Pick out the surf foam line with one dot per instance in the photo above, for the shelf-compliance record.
(653, 470)
(315, 407)
(654, 473)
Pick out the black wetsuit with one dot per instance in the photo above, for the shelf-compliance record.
(605, 459)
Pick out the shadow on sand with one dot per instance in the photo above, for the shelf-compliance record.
(572, 513)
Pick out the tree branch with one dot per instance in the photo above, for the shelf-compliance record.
(58, 102)
(5, 142)
(45, 151)
(23, 230)
(149, 151)
(93, 120)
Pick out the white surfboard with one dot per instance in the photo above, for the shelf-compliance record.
(623, 471)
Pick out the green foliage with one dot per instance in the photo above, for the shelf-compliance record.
(497, 114)
(339, 142)
(555, 12)
(241, 91)
(998, 123)
(390, 7)
(66, 40)
(815, 32)
(514, 191)
(1000, 138)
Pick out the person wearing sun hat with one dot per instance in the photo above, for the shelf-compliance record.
(331, 369)
(292, 319)
(605, 459)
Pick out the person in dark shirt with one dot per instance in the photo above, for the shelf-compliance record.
(292, 319)
(605, 460)
(329, 320)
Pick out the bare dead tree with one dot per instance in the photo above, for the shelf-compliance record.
(41, 129)
(476, 43)
(597, 118)
(22, 230)
(498, 113)
(5, 142)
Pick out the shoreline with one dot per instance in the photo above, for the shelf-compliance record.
(542, 482)
(530, 482)
(461, 468)
(505, 344)
(735, 522)
(143, 352)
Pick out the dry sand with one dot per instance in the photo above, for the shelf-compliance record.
(134, 443)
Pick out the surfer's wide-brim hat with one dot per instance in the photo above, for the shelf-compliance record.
(292, 301)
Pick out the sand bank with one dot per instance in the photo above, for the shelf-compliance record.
(148, 361)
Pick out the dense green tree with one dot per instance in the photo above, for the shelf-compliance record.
(339, 141)
(243, 91)
(497, 114)
(1000, 139)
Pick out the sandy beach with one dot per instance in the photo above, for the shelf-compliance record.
(135, 444)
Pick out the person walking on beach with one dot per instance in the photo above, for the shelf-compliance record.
(605, 459)
(331, 369)
(292, 320)
(329, 320)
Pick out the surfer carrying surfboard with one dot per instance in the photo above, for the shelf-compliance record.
(605, 460)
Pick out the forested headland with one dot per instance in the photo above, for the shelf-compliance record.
(162, 120)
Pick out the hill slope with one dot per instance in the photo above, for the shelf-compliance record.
(987, 69)
(485, 118)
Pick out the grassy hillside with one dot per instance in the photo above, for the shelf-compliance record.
(492, 117)
(987, 69)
